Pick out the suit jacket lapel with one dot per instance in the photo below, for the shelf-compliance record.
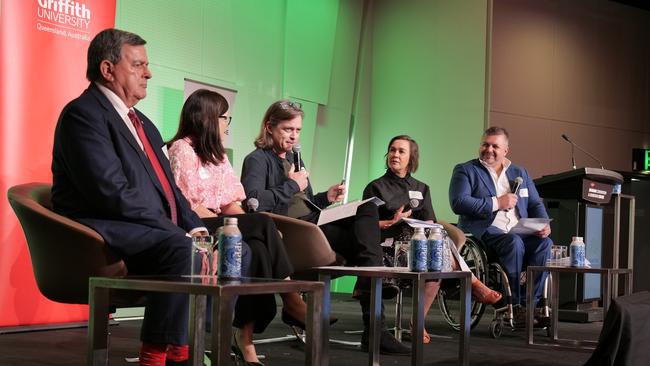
(485, 177)
(118, 122)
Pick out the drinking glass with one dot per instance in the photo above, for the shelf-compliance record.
(402, 253)
(203, 256)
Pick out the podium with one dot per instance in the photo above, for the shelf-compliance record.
(580, 201)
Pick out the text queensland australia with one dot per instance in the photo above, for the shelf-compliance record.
(73, 16)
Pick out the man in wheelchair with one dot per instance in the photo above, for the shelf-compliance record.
(490, 195)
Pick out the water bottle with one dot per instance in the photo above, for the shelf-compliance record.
(577, 252)
(418, 257)
(446, 252)
(436, 249)
(230, 248)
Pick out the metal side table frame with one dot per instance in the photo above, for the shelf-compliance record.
(609, 277)
(199, 287)
(376, 274)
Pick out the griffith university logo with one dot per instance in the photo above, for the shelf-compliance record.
(67, 18)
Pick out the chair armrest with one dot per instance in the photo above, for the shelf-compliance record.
(455, 234)
(306, 245)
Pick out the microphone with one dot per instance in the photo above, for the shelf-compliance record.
(296, 157)
(518, 182)
(413, 203)
(565, 137)
(252, 204)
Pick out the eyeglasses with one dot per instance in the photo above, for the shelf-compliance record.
(228, 119)
(290, 105)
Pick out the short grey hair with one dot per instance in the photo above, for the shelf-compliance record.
(107, 45)
(496, 130)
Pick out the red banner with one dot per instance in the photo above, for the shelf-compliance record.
(43, 46)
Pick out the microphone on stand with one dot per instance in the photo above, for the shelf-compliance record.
(252, 204)
(565, 137)
(296, 157)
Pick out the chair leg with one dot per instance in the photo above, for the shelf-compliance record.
(398, 315)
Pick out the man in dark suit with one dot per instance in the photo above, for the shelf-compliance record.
(482, 193)
(110, 172)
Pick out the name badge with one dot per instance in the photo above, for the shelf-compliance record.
(203, 173)
(415, 194)
(523, 192)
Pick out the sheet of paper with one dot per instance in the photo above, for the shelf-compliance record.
(529, 226)
(418, 223)
(334, 213)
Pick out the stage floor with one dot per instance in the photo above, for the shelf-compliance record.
(67, 347)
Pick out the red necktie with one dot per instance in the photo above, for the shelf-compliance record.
(160, 173)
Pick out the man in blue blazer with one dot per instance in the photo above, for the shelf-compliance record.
(482, 193)
(110, 172)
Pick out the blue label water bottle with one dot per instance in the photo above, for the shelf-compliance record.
(577, 252)
(436, 247)
(418, 251)
(230, 248)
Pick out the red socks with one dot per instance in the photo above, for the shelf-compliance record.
(178, 353)
(152, 354)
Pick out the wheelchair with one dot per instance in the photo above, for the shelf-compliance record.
(485, 266)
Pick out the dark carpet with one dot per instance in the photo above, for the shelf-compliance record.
(68, 346)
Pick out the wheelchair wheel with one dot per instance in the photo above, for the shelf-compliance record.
(496, 328)
(448, 297)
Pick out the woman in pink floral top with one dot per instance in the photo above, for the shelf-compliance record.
(206, 178)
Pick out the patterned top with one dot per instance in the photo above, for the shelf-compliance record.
(212, 186)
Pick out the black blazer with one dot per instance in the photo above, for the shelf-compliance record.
(103, 179)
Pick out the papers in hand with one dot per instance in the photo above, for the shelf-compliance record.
(530, 226)
(418, 223)
(334, 213)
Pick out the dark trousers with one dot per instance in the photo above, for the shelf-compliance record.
(515, 254)
(357, 239)
(268, 260)
(166, 315)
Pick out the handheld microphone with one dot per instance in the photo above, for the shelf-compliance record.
(296, 157)
(252, 204)
(573, 144)
(413, 203)
(518, 182)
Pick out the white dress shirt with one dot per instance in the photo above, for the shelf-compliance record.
(504, 220)
(122, 110)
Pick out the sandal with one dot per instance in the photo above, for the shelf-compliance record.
(484, 294)
(426, 337)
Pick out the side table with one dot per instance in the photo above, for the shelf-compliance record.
(376, 274)
(609, 275)
(223, 293)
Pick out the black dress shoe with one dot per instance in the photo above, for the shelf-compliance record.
(293, 322)
(388, 344)
(519, 317)
(176, 363)
(542, 319)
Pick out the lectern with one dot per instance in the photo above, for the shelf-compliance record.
(577, 200)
